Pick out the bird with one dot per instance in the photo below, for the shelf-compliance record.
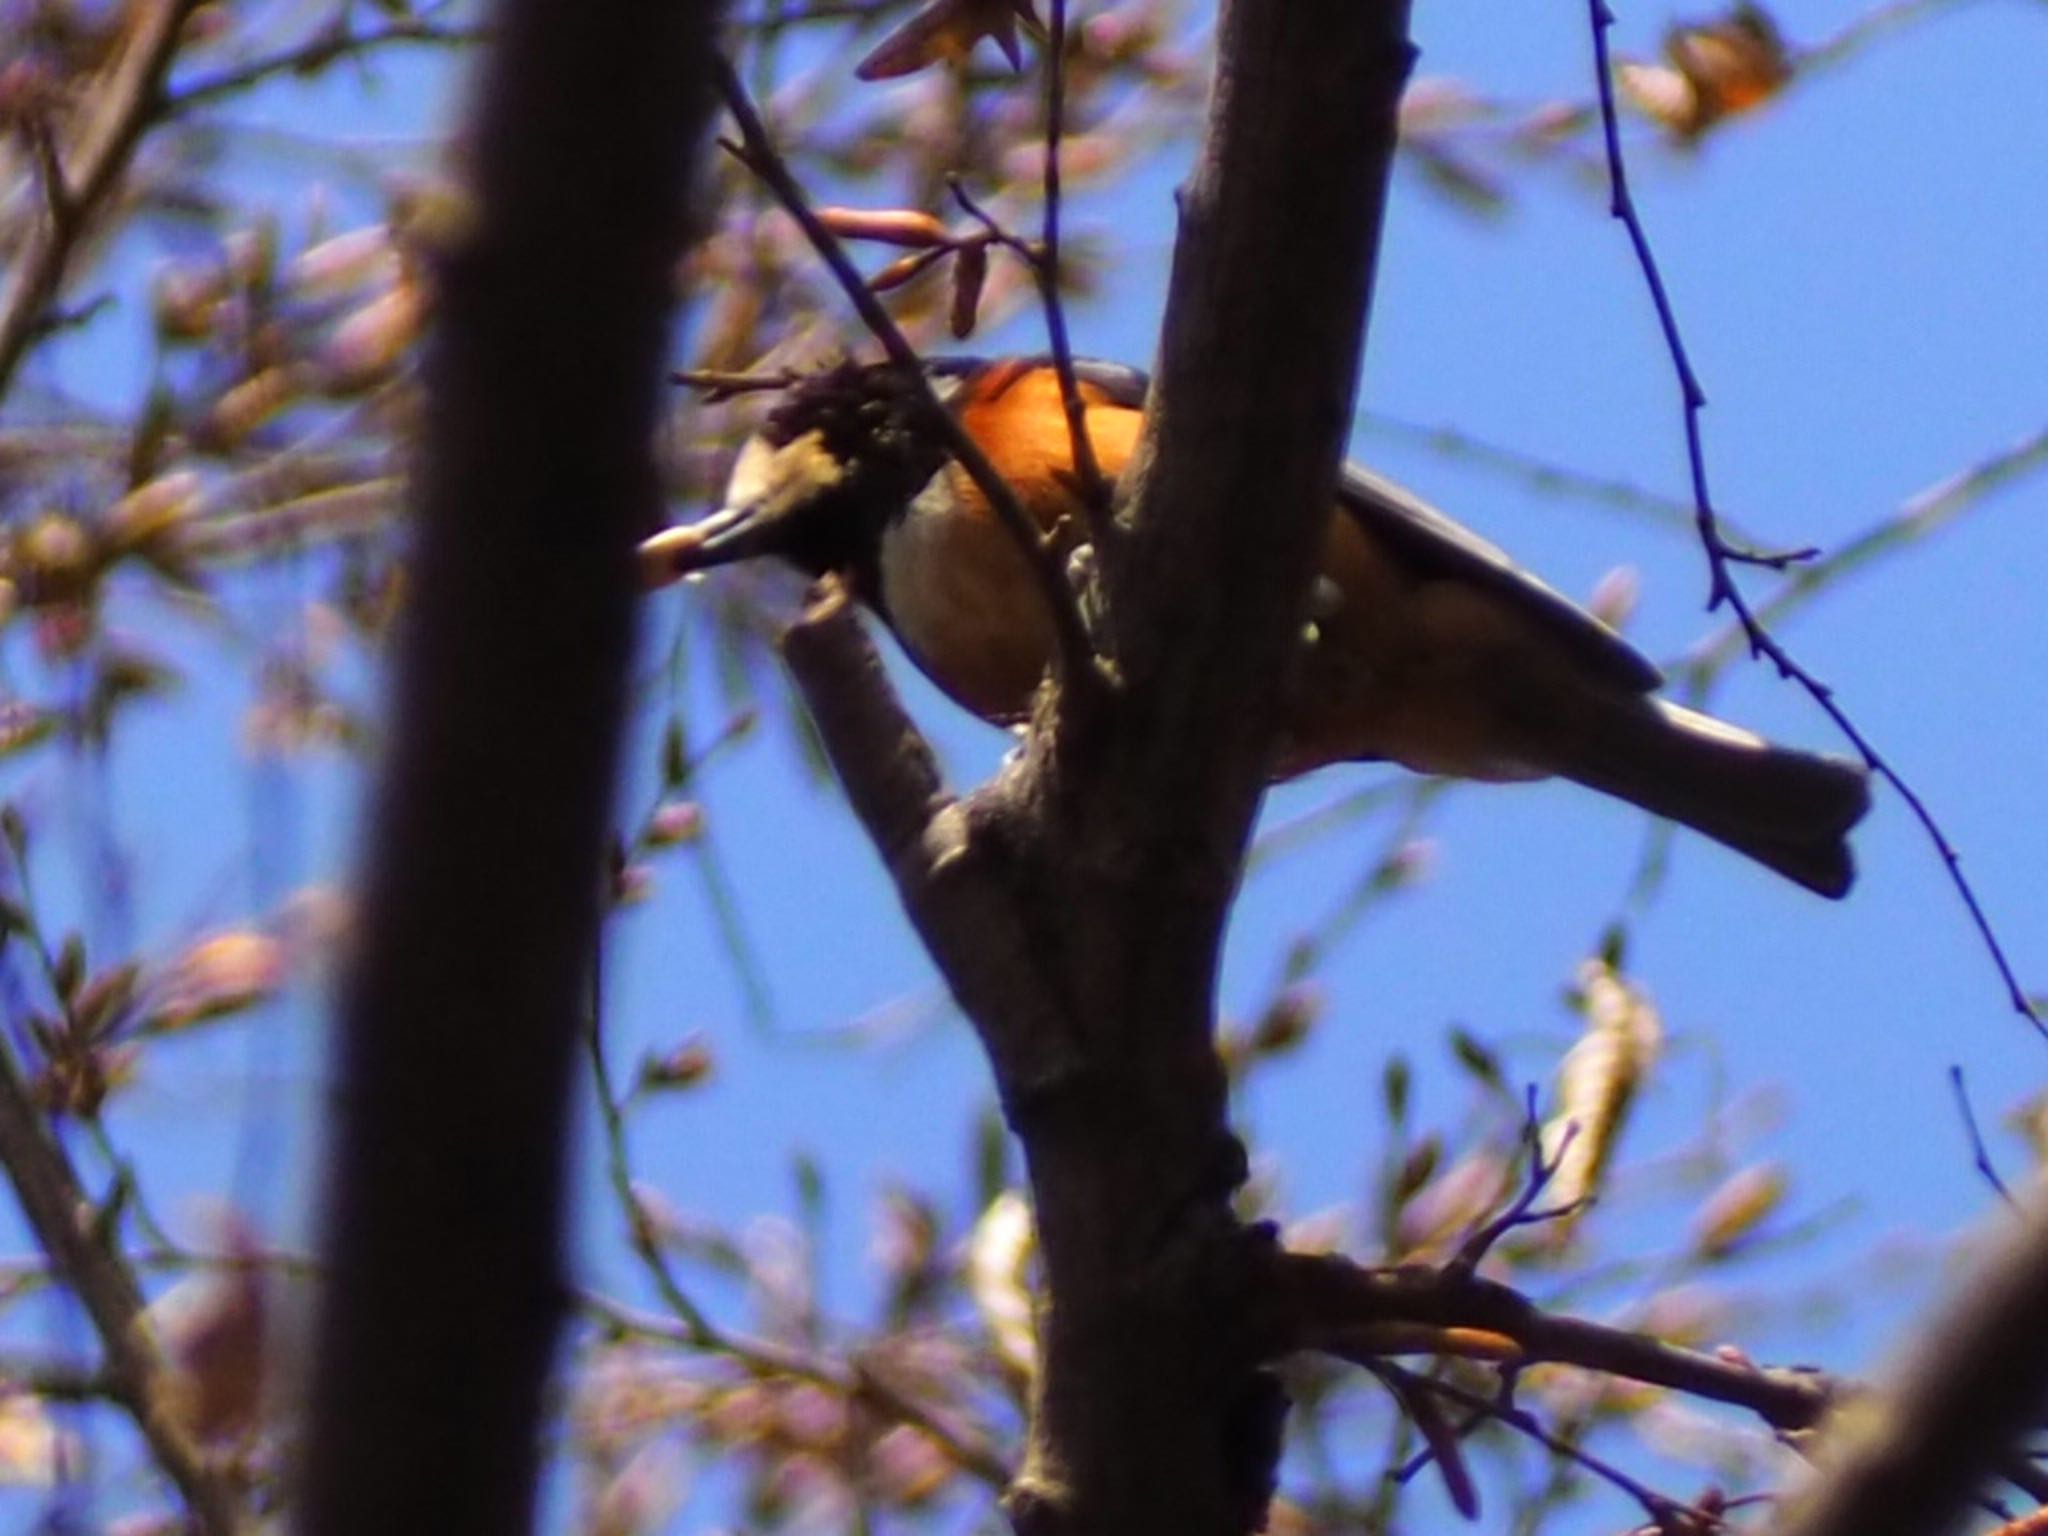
(1429, 647)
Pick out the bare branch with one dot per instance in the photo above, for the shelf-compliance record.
(1974, 1382)
(1328, 1303)
(1671, 1516)
(1980, 1154)
(1521, 1212)
(64, 1221)
(1723, 555)
(1076, 904)
(314, 55)
(856, 1380)
(443, 1228)
(128, 103)
(1094, 489)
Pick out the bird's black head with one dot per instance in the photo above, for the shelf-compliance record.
(840, 456)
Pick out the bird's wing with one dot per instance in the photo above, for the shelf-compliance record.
(1434, 544)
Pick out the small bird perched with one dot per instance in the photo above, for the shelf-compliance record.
(1431, 648)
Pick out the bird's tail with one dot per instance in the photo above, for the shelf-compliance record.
(1790, 811)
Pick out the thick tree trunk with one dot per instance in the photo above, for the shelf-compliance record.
(478, 914)
(1076, 905)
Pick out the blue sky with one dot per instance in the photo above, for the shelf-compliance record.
(1860, 274)
(1857, 272)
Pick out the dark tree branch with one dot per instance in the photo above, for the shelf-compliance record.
(1974, 1383)
(1045, 266)
(1670, 1517)
(1076, 904)
(313, 56)
(461, 1011)
(1979, 1153)
(1329, 1304)
(128, 103)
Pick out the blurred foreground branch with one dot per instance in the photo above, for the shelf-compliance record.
(459, 1021)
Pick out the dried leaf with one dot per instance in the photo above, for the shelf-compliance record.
(213, 1329)
(1596, 1085)
(1732, 1212)
(68, 969)
(902, 270)
(31, 1446)
(685, 1066)
(152, 511)
(359, 258)
(220, 975)
(911, 227)
(1478, 1058)
(998, 1262)
(970, 274)
(1287, 1020)
(367, 346)
(1713, 70)
(947, 31)
(1425, 1414)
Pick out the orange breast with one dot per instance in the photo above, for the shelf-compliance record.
(1016, 415)
(958, 591)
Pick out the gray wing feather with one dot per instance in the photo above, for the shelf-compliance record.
(1437, 546)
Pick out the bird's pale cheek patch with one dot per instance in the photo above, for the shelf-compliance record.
(767, 476)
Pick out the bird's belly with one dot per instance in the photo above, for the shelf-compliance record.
(962, 600)
(1413, 671)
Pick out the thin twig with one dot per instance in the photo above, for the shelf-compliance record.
(1671, 1515)
(57, 201)
(1722, 555)
(1094, 488)
(645, 1242)
(128, 104)
(766, 1358)
(1919, 515)
(316, 53)
(1542, 1169)
(1866, 29)
(63, 1218)
(1538, 474)
(722, 384)
(693, 1328)
(760, 155)
(1980, 1154)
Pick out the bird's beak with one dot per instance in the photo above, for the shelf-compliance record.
(727, 535)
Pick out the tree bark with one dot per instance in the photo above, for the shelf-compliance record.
(478, 913)
(1076, 905)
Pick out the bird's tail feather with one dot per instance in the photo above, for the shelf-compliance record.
(1789, 810)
